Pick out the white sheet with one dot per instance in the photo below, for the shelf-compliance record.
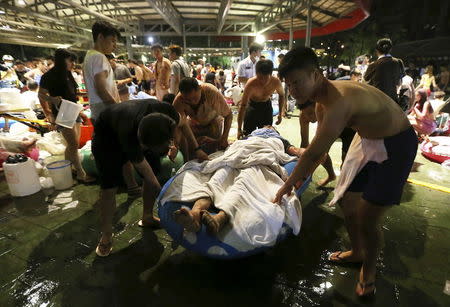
(360, 152)
(243, 181)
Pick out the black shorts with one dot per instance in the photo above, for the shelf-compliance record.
(109, 159)
(146, 85)
(347, 137)
(382, 183)
(257, 115)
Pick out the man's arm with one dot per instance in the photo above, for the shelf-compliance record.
(334, 121)
(29, 75)
(165, 75)
(45, 99)
(100, 87)
(242, 108)
(281, 101)
(304, 131)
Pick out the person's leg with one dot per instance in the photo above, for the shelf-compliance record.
(128, 176)
(148, 219)
(107, 206)
(349, 205)
(190, 219)
(214, 223)
(370, 217)
(328, 165)
(71, 153)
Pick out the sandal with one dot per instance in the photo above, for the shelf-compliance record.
(104, 249)
(154, 224)
(364, 286)
(339, 260)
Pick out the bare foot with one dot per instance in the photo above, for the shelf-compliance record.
(344, 257)
(154, 222)
(214, 223)
(326, 181)
(185, 218)
(365, 290)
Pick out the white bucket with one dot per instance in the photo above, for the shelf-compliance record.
(61, 173)
(22, 178)
(68, 113)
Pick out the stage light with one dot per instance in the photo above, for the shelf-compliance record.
(150, 39)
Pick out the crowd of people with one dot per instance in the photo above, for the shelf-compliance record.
(184, 109)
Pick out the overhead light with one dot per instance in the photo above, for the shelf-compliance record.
(39, 36)
(63, 46)
(260, 39)
(342, 46)
(150, 39)
(21, 2)
(2, 12)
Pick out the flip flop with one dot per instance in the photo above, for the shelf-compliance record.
(104, 246)
(368, 295)
(340, 260)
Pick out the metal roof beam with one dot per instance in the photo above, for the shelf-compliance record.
(225, 6)
(79, 6)
(196, 33)
(167, 11)
(326, 12)
(41, 16)
(280, 11)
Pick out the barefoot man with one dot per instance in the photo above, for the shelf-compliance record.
(377, 164)
(258, 91)
(162, 72)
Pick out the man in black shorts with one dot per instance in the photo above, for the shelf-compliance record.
(122, 133)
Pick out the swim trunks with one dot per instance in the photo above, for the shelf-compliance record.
(257, 115)
(382, 183)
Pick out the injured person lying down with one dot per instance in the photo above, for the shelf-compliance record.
(239, 185)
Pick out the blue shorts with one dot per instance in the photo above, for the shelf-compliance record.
(382, 183)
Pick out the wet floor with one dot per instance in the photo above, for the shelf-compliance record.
(47, 256)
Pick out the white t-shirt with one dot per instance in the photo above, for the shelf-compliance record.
(94, 63)
(246, 68)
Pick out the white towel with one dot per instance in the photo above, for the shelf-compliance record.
(360, 152)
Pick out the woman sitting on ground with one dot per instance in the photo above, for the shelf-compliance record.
(421, 116)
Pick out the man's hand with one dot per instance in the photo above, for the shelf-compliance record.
(286, 189)
(51, 120)
(280, 118)
(223, 144)
(172, 154)
(201, 155)
(84, 118)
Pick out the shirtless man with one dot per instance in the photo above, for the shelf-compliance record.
(206, 107)
(162, 72)
(148, 76)
(258, 91)
(381, 125)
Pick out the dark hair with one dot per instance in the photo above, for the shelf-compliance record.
(132, 61)
(298, 58)
(60, 68)
(49, 57)
(104, 28)
(281, 56)
(18, 62)
(255, 47)
(210, 77)
(156, 129)
(169, 98)
(264, 67)
(140, 62)
(60, 58)
(32, 85)
(422, 100)
(187, 85)
(221, 73)
(156, 46)
(384, 45)
(176, 49)
(110, 56)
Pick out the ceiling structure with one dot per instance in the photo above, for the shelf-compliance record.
(60, 23)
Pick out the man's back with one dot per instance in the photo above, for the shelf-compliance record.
(377, 117)
(385, 74)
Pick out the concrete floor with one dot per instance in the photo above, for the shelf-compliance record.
(47, 256)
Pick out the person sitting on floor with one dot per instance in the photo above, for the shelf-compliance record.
(11, 147)
(192, 219)
(422, 115)
(207, 109)
(258, 91)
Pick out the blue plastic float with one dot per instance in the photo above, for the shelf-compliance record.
(204, 243)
